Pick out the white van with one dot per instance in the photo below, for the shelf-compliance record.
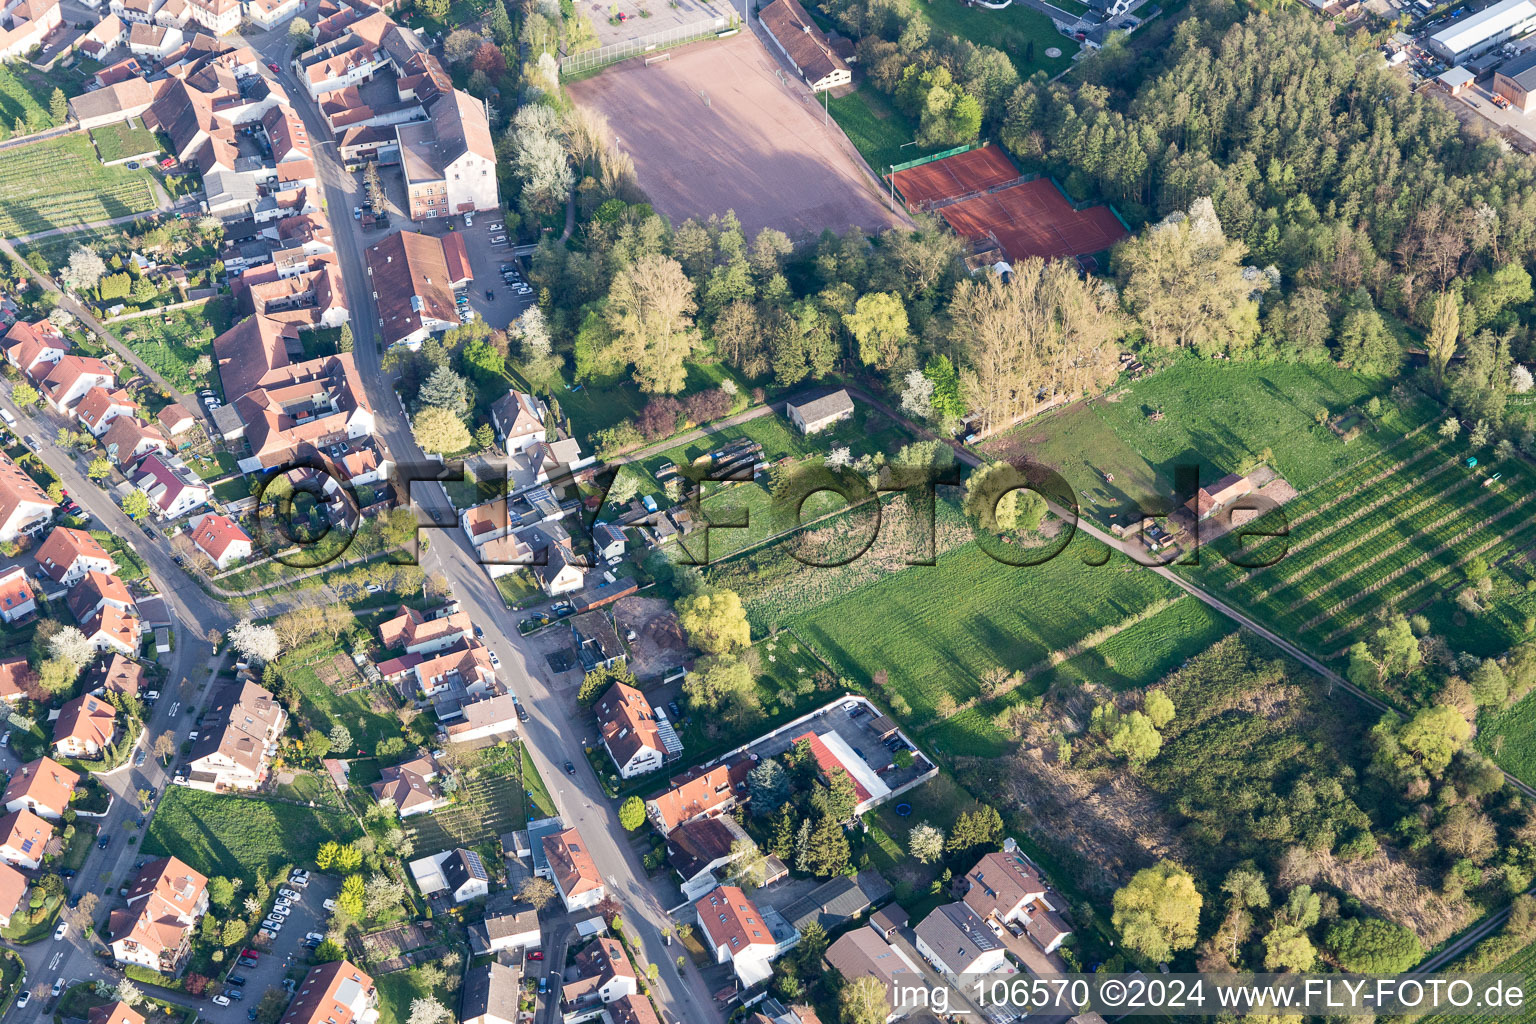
(10, 421)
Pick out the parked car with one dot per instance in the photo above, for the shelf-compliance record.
(543, 985)
(23, 999)
(522, 713)
(58, 986)
(489, 295)
(537, 954)
(281, 913)
(281, 902)
(138, 759)
(106, 841)
(570, 769)
(236, 979)
(479, 633)
(316, 936)
(329, 904)
(58, 934)
(291, 894)
(273, 925)
(272, 67)
(495, 661)
(249, 954)
(221, 1000)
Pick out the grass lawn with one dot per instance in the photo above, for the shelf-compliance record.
(80, 845)
(358, 709)
(60, 183)
(1021, 32)
(22, 98)
(787, 687)
(1509, 737)
(238, 836)
(880, 132)
(937, 629)
(124, 140)
(398, 990)
(171, 342)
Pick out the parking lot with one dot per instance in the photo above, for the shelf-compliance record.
(279, 956)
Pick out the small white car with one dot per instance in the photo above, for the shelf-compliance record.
(221, 1000)
(495, 661)
(61, 931)
(314, 937)
(281, 913)
(290, 894)
(329, 904)
(24, 999)
(284, 903)
(273, 925)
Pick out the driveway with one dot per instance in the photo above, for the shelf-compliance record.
(485, 260)
(284, 953)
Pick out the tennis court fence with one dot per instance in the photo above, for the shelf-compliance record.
(588, 60)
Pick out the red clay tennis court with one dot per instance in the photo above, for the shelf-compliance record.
(953, 176)
(1031, 218)
(1035, 219)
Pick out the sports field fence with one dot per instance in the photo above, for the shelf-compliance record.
(602, 56)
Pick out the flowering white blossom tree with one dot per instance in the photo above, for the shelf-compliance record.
(917, 396)
(71, 645)
(1520, 379)
(838, 458)
(256, 643)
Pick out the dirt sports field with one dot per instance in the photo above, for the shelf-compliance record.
(759, 147)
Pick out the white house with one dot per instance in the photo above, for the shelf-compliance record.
(629, 729)
(221, 539)
(23, 838)
(173, 489)
(568, 864)
(460, 873)
(24, 508)
(959, 944)
(735, 932)
(16, 598)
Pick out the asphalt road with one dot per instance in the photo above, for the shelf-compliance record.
(552, 737)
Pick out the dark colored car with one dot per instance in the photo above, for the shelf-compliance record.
(74, 900)
(479, 633)
(105, 842)
(570, 769)
(236, 979)
(522, 713)
(543, 985)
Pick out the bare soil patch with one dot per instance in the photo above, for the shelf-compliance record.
(717, 128)
(658, 646)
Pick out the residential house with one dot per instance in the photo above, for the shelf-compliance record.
(449, 159)
(629, 730)
(479, 719)
(608, 541)
(411, 786)
(16, 598)
(65, 383)
(85, 727)
(221, 539)
(13, 889)
(519, 420)
(268, 14)
(635, 1009)
(863, 954)
(707, 794)
(43, 787)
(23, 839)
(422, 634)
(108, 34)
(490, 996)
(1007, 888)
(507, 925)
(804, 45)
(736, 932)
(67, 555)
(118, 675)
(465, 667)
(173, 489)
(17, 680)
(570, 866)
(27, 25)
(240, 733)
(117, 1012)
(154, 929)
(700, 850)
(560, 573)
(113, 629)
(603, 974)
(33, 348)
(100, 407)
(413, 278)
(129, 438)
(175, 420)
(24, 507)
(334, 993)
(460, 873)
(597, 643)
(958, 943)
(97, 590)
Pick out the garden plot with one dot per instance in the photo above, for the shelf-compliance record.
(59, 183)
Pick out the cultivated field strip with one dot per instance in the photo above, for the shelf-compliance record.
(1451, 546)
(1377, 517)
(1367, 521)
(1443, 512)
(1431, 567)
